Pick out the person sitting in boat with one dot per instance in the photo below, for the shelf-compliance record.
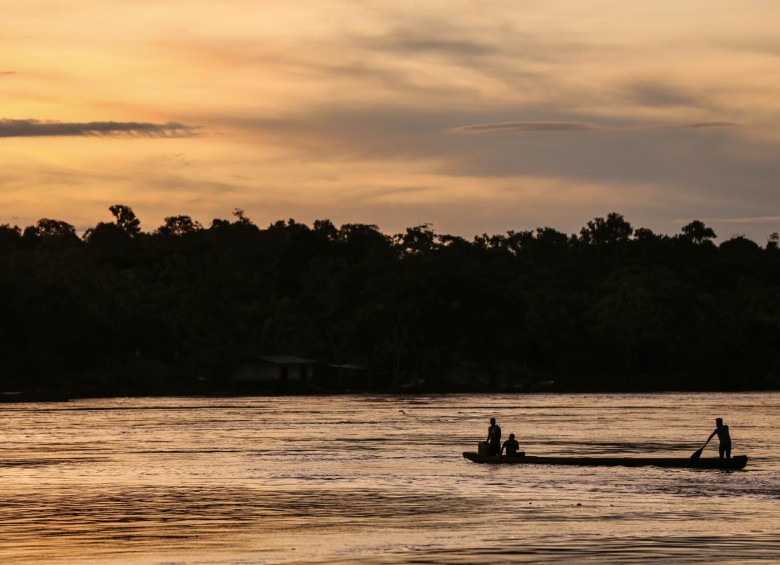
(494, 437)
(722, 430)
(512, 447)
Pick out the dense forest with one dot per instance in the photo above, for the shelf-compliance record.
(123, 311)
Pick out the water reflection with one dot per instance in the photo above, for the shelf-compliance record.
(352, 478)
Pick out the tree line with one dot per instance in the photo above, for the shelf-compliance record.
(120, 310)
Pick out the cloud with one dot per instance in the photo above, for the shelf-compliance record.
(566, 126)
(531, 126)
(712, 125)
(657, 94)
(411, 43)
(466, 142)
(36, 128)
(746, 220)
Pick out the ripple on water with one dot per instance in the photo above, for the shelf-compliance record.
(350, 478)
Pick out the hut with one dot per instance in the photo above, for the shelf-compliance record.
(275, 369)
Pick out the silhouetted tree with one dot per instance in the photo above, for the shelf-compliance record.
(51, 231)
(111, 239)
(51, 228)
(419, 240)
(326, 229)
(218, 223)
(698, 233)
(241, 217)
(739, 244)
(644, 234)
(9, 236)
(126, 219)
(179, 226)
(132, 312)
(601, 231)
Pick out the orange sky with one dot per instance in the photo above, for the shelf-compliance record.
(475, 116)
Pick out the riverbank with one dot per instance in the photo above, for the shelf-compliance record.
(566, 384)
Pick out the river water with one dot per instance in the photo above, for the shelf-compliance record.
(381, 479)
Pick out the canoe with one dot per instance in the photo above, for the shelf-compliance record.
(737, 462)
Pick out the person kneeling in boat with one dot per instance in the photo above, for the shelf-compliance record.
(722, 430)
(512, 447)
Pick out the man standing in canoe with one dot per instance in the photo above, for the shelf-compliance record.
(494, 437)
(722, 430)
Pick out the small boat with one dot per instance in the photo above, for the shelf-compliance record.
(737, 462)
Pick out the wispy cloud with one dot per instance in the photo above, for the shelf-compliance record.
(566, 126)
(500, 127)
(712, 125)
(420, 42)
(662, 94)
(746, 220)
(36, 128)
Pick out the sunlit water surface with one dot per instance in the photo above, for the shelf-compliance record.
(381, 479)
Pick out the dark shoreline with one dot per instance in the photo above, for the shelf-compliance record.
(10, 397)
(193, 309)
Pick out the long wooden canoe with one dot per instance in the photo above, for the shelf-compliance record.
(737, 462)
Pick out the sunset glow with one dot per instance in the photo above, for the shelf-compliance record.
(477, 117)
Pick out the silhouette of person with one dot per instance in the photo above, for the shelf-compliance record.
(512, 446)
(722, 430)
(494, 437)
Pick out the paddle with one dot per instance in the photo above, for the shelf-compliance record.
(697, 453)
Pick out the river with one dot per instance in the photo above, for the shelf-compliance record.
(381, 479)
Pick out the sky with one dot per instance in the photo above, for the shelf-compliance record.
(473, 116)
